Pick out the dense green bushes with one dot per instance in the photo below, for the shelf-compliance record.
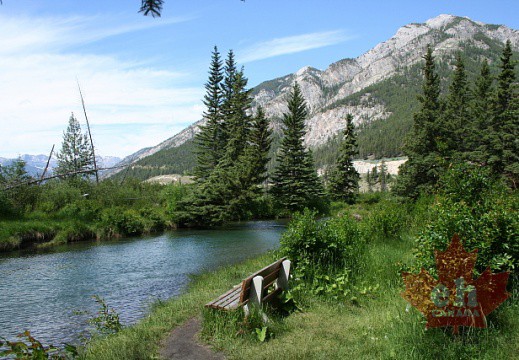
(325, 253)
(62, 211)
(481, 211)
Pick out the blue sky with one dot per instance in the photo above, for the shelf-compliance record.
(143, 78)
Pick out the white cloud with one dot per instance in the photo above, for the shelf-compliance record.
(39, 90)
(292, 44)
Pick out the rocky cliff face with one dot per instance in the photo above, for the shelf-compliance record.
(324, 90)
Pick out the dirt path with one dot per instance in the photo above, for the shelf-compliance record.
(183, 344)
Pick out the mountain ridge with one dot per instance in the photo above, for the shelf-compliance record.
(330, 94)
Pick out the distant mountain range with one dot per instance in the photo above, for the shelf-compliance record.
(378, 88)
(35, 164)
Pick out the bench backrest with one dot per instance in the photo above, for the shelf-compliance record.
(269, 273)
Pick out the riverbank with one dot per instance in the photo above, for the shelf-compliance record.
(374, 321)
(43, 233)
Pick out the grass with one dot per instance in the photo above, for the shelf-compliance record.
(378, 325)
(142, 340)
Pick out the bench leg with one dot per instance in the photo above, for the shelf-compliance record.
(256, 297)
(284, 274)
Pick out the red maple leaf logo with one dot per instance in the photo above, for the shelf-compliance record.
(455, 299)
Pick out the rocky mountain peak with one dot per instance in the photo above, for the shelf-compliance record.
(441, 21)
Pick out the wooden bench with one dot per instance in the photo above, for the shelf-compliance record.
(259, 288)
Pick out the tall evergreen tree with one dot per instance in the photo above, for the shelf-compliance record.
(504, 131)
(260, 140)
(344, 178)
(369, 181)
(383, 175)
(228, 87)
(210, 147)
(76, 151)
(295, 181)
(455, 123)
(236, 118)
(482, 113)
(424, 163)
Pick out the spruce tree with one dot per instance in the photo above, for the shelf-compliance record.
(455, 123)
(344, 178)
(504, 130)
(295, 181)
(236, 118)
(260, 140)
(369, 181)
(421, 171)
(383, 175)
(210, 147)
(228, 88)
(76, 152)
(482, 114)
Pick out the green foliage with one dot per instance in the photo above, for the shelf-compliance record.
(344, 178)
(29, 348)
(16, 195)
(117, 221)
(319, 247)
(387, 220)
(423, 147)
(76, 152)
(295, 181)
(106, 320)
(472, 204)
(209, 141)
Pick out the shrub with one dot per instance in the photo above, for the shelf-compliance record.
(387, 220)
(482, 212)
(117, 221)
(55, 195)
(321, 247)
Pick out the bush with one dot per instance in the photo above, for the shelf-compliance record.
(387, 220)
(117, 221)
(482, 212)
(55, 195)
(321, 247)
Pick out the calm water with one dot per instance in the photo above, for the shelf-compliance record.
(41, 292)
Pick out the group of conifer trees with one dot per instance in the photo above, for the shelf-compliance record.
(232, 150)
(478, 124)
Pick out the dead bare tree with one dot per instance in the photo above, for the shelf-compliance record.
(89, 133)
(48, 162)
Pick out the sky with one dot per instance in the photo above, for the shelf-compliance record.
(143, 78)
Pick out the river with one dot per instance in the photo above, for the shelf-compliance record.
(43, 291)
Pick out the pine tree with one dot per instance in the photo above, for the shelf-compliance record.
(76, 151)
(344, 178)
(369, 181)
(228, 87)
(383, 176)
(210, 147)
(421, 171)
(260, 140)
(151, 6)
(295, 181)
(504, 130)
(236, 118)
(455, 122)
(482, 113)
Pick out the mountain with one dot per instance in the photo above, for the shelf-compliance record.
(35, 164)
(378, 88)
